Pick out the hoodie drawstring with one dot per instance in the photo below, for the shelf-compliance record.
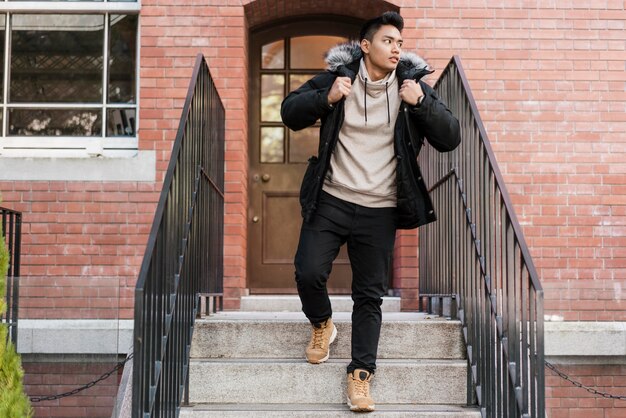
(365, 100)
(387, 94)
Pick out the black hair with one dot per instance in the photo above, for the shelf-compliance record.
(370, 27)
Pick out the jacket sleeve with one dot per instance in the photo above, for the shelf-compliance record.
(304, 106)
(436, 121)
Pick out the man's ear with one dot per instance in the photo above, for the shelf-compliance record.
(365, 46)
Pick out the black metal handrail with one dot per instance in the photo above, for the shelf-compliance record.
(184, 254)
(11, 222)
(476, 254)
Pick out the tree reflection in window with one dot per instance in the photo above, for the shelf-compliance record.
(272, 87)
(55, 122)
(272, 145)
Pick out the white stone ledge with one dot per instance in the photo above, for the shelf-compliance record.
(74, 336)
(141, 167)
(583, 342)
(571, 340)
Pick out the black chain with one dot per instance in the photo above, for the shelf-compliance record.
(122, 363)
(580, 385)
(87, 386)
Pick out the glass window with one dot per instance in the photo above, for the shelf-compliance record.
(296, 80)
(122, 58)
(56, 58)
(272, 145)
(121, 122)
(305, 59)
(308, 51)
(272, 87)
(2, 38)
(273, 55)
(55, 122)
(67, 78)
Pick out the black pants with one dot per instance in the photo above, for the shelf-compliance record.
(370, 234)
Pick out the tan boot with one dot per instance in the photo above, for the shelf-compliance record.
(319, 347)
(359, 399)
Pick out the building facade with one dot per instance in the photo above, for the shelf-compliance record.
(92, 93)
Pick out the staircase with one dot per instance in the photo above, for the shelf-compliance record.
(250, 363)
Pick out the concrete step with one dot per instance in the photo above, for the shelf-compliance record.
(285, 335)
(287, 381)
(291, 303)
(325, 411)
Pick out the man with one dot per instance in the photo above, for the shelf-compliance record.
(365, 182)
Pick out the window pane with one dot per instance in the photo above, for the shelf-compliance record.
(272, 87)
(303, 144)
(272, 149)
(56, 58)
(273, 55)
(2, 37)
(122, 55)
(121, 122)
(55, 122)
(308, 51)
(296, 80)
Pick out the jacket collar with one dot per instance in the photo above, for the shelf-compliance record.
(343, 59)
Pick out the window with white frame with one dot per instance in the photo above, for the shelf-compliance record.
(69, 78)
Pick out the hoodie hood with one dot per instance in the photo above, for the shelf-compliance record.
(338, 58)
(375, 88)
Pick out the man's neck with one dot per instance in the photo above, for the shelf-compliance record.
(374, 72)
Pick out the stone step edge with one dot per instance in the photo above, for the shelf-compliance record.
(278, 407)
(379, 362)
(397, 381)
(264, 316)
(292, 302)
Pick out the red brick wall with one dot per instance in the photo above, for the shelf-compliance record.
(50, 378)
(172, 34)
(564, 400)
(405, 269)
(82, 245)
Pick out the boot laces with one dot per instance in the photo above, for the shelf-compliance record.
(318, 337)
(362, 388)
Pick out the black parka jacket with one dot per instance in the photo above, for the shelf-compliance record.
(431, 120)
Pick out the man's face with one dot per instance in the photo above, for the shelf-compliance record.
(384, 49)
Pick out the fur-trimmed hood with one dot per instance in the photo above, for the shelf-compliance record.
(338, 58)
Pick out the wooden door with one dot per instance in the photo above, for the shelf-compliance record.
(282, 58)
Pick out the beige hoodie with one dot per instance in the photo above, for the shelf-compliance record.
(363, 165)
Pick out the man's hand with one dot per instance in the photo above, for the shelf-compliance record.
(411, 92)
(341, 88)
